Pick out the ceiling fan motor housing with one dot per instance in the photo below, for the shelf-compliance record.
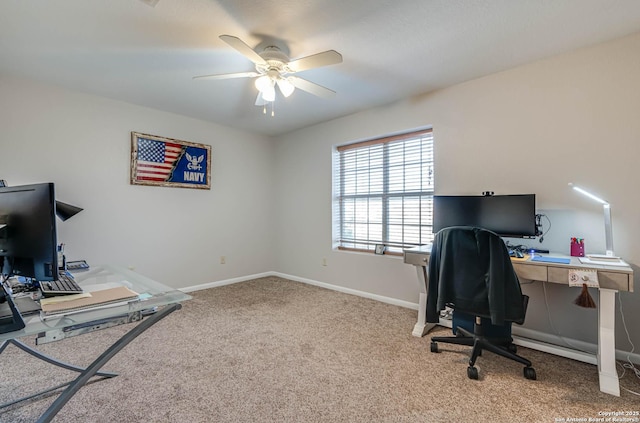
(276, 60)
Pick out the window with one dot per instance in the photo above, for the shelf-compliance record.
(384, 193)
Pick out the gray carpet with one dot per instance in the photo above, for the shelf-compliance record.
(273, 350)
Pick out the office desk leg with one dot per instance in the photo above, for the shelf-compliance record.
(422, 327)
(49, 360)
(607, 372)
(93, 368)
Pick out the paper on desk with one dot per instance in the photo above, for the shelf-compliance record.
(587, 260)
(63, 313)
(88, 289)
(603, 257)
(63, 298)
(97, 298)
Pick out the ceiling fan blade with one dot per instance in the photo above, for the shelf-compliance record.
(228, 75)
(311, 87)
(243, 49)
(330, 57)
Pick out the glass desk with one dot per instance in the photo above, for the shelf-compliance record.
(155, 302)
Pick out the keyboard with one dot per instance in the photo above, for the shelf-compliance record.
(65, 285)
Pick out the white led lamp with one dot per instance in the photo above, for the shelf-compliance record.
(608, 234)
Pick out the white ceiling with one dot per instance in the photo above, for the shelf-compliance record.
(392, 49)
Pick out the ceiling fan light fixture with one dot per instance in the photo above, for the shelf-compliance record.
(286, 87)
(273, 67)
(263, 83)
(266, 85)
(269, 93)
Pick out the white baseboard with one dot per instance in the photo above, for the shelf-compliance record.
(225, 282)
(550, 343)
(394, 301)
(382, 299)
(538, 341)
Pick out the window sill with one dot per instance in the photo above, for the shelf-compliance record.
(370, 252)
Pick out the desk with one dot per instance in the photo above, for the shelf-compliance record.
(160, 301)
(611, 280)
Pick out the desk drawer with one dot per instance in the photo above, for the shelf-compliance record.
(417, 259)
(610, 280)
(530, 272)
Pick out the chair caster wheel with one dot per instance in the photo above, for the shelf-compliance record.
(529, 373)
(434, 347)
(472, 372)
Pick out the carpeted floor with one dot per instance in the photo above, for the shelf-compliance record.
(273, 350)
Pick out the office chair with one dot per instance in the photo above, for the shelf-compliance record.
(470, 271)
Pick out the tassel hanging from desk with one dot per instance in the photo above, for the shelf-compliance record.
(585, 278)
(585, 299)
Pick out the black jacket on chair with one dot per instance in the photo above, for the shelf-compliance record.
(471, 271)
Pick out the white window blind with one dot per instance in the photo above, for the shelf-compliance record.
(384, 192)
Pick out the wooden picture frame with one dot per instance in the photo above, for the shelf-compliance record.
(168, 162)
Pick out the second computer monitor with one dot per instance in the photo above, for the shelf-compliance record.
(506, 215)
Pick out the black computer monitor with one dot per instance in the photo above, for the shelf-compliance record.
(28, 244)
(507, 215)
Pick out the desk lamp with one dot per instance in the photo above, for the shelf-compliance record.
(64, 211)
(607, 218)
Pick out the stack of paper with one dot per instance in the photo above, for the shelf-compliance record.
(603, 260)
(68, 303)
(603, 257)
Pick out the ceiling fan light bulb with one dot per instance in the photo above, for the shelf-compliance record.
(263, 83)
(286, 87)
(269, 93)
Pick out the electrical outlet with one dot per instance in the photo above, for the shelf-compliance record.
(223, 260)
(324, 261)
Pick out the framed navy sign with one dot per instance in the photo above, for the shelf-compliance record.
(169, 163)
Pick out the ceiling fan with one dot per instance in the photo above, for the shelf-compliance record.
(273, 68)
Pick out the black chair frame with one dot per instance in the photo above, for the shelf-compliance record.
(501, 346)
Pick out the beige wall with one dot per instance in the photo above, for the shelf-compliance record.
(83, 144)
(533, 129)
(530, 129)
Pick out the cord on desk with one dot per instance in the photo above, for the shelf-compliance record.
(553, 327)
(628, 365)
(26, 285)
(517, 247)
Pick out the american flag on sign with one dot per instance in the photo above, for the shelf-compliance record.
(156, 160)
